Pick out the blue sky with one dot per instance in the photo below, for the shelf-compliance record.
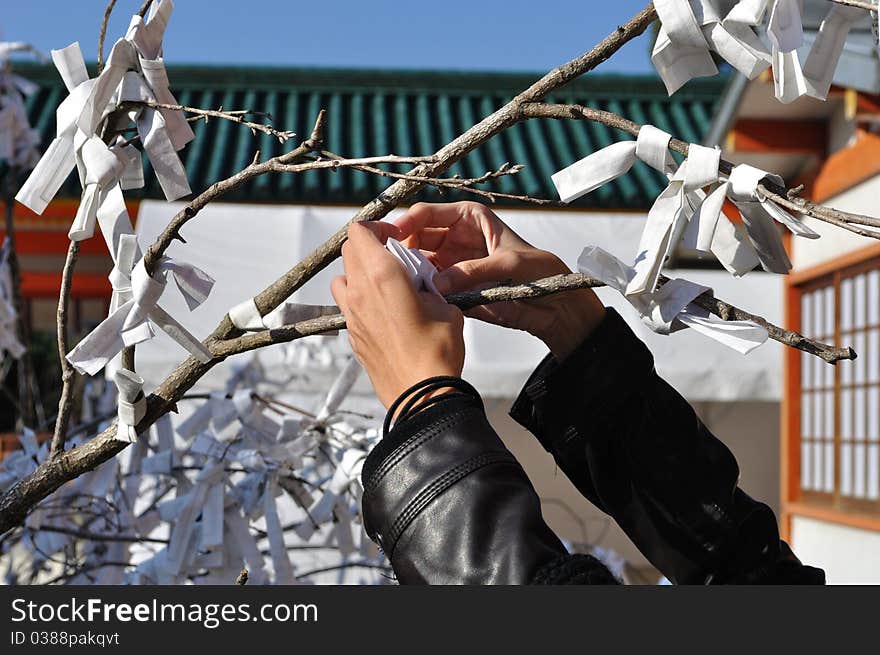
(454, 34)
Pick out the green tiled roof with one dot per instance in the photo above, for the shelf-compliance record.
(374, 112)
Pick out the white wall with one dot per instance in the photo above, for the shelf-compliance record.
(834, 241)
(848, 555)
(245, 247)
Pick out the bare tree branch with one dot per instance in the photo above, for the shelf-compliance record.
(775, 192)
(466, 184)
(537, 289)
(858, 4)
(103, 34)
(68, 373)
(237, 116)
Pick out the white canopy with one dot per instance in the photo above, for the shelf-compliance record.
(246, 247)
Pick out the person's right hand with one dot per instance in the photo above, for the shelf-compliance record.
(473, 249)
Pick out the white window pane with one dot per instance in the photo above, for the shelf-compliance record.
(817, 466)
(859, 490)
(874, 297)
(806, 467)
(818, 373)
(829, 467)
(819, 313)
(872, 355)
(828, 412)
(846, 309)
(873, 472)
(818, 411)
(806, 413)
(846, 427)
(828, 328)
(828, 370)
(860, 415)
(807, 314)
(874, 414)
(859, 365)
(860, 300)
(846, 366)
(846, 479)
(806, 372)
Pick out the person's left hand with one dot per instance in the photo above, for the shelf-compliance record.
(400, 335)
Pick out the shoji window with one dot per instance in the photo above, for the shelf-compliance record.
(834, 417)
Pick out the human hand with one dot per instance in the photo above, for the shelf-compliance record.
(473, 248)
(400, 335)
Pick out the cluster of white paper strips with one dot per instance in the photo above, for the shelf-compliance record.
(134, 72)
(239, 484)
(688, 212)
(692, 29)
(19, 142)
(10, 344)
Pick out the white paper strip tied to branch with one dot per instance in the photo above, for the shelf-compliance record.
(608, 164)
(340, 389)
(184, 511)
(134, 309)
(133, 71)
(9, 341)
(347, 472)
(760, 216)
(245, 315)
(671, 213)
(420, 270)
(132, 404)
(58, 160)
(825, 54)
(680, 52)
(19, 142)
(785, 31)
(670, 308)
(277, 548)
(734, 37)
(691, 28)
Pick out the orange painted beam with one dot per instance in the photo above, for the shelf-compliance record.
(54, 242)
(59, 214)
(848, 167)
(806, 137)
(47, 285)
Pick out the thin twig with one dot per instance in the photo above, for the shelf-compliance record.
(144, 8)
(466, 184)
(771, 190)
(537, 289)
(103, 34)
(97, 536)
(237, 116)
(68, 373)
(858, 4)
(172, 230)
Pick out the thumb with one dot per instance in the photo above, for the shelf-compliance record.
(470, 274)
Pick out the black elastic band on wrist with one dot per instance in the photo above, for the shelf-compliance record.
(416, 392)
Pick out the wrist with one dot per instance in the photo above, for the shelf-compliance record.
(577, 315)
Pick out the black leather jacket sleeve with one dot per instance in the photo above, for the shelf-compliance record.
(636, 449)
(449, 504)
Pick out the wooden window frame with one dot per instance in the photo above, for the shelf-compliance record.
(864, 514)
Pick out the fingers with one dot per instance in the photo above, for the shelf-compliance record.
(473, 273)
(339, 290)
(423, 214)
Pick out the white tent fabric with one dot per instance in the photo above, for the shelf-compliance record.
(245, 247)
